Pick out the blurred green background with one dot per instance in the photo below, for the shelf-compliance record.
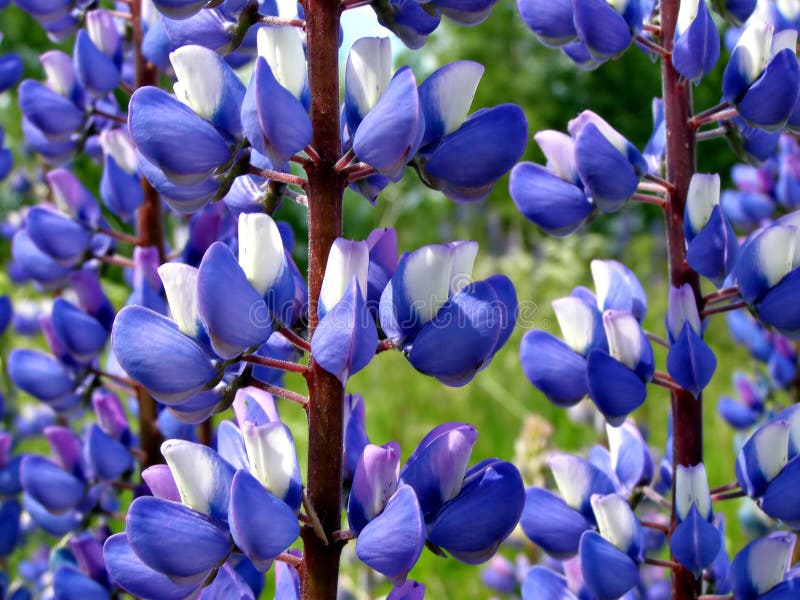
(403, 405)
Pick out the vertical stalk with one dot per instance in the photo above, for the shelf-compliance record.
(320, 569)
(687, 411)
(150, 229)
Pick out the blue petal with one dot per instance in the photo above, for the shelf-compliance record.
(695, 542)
(712, 253)
(121, 191)
(690, 362)
(173, 539)
(230, 445)
(345, 340)
(39, 375)
(11, 70)
(227, 584)
(696, 50)
(388, 136)
(58, 236)
(735, 413)
(71, 584)
(541, 583)
(615, 389)
(410, 590)
(164, 129)
(81, 333)
(437, 466)
(550, 20)
(261, 525)
(108, 458)
(487, 509)
(469, 325)
(54, 524)
(769, 101)
(782, 498)
(179, 9)
(604, 31)
(786, 590)
(234, 314)
(606, 173)
(780, 308)
(393, 541)
(10, 511)
(129, 572)
(607, 571)
(50, 485)
(287, 582)
(274, 121)
(551, 524)
(55, 116)
(553, 367)
(374, 482)
(94, 69)
(161, 483)
(555, 205)
(153, 351)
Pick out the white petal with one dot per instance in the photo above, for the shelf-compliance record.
(615, 519)
(368, 71)
(197, 476)
(454, 90)
(702, 197)
(118, 143)
(776, 251)
(691, 485)
(201, 78)
(612, 135)
(559, 150)
(573, 478)
(772, 448)
(768, 562)
(789, 9)
(464, 254)
(346, 260)
(784, 40)
(624, 337)
(261, 254)
(180, 285)
(273, 460)
(59, 72)
(686, 14)
(755, 45)
(577, 322)
(282, 49)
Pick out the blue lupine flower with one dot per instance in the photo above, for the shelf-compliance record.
(690, 362)
(541, 580)
(596, 345)
(54, 115)
(607, 28)
(599, 150)
(40, 375)
(551, 21)
(120, 185)
(696, 46)
(430, 303)
(463, 157)
(552, 197)
(695, 542)
(6, 313)
(735, 12)
(762, 78)
(346, 337)
(94, 69)
(761, 566)
(374, 482)
(654, 149)
(80, 333)
(745, 411)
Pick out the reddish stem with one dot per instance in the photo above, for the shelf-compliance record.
(276, 390)
(728, 496)
(723, 309)
(721, 295)
(687, 411)
(649, 199)
(117, 261)
(278, 176)
(274, 363)
(295, 339)
(734, 485)
(667, 564)
(118, 235)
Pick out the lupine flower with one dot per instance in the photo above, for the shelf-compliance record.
(431, 303)
(745, 411)
(596, 345)
(760, 569)
(346, 337)
(695, 542)
(696, 45)
(762, 78)
(690, 362)
(120, 185)
(735, 12)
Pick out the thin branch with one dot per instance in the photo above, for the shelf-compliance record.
(274, 363)
(295, 339)
(119, 261)
(384, 346)
(666, 186)
(125, 88)
(654, 29)
(649, 186)
(277, 21)
(345, 160)
(124, 485)
(316, 524)
(120, 15)
(343, 535)
(118, 378)
(723, 309)
(654, 496)
(709, 111)
(118, 235)
(361, 173)
(728, 496)
(666, 381)
(111, 117)
(653, 46)
(312, 154)
(138, 454)
(668, 564)
(287, 178)
(657, 339)
(350, 4)
(716, 597)
(723, 115)
(721, 295)
(656, 526)
(711, 134)
(276, 390)
(291, 559)
(300, 160)
(650, 199)
(734, 485)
